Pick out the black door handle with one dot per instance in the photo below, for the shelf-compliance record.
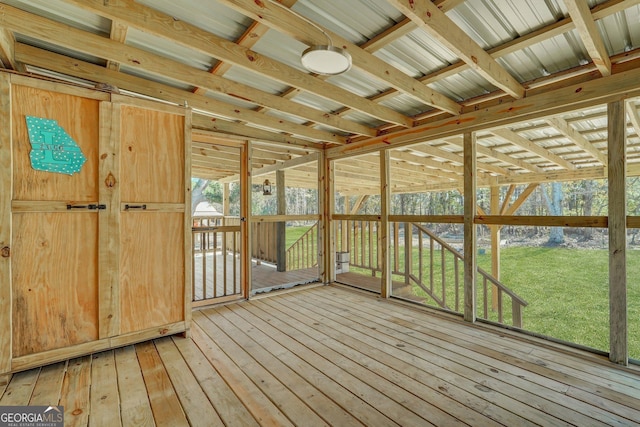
(127, 207)
(90, 207)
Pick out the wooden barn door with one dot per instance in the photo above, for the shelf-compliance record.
(153, 218)
(55, 224)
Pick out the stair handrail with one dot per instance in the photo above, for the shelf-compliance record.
(516, 301)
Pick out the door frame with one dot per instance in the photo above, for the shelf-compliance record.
(244, 147)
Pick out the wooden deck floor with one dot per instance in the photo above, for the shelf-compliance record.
(331, 356)
(222, 282)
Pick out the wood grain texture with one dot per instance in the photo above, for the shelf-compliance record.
(74, 395)
(49, 386)
(470, 260)
(109, 221)
(55, 280)
(151, 269)
(79, 117)
(384, 235)
(20, 389)
(134, 403)
(105, 397)
(187, 218)
(152, 156)
(197, 406)
(5, 220)
(618, 316)
(162, 396)
(353, 359)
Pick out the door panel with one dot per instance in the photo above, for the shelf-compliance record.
(54, 253)
(55, 280)
(152, 146)
(152, 218)
(151, 269)
(79, 117)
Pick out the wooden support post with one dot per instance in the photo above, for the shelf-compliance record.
(385, 200)
(327, 181)
(323, 222)
(618, 332)
(470, 257)
(6, 192)
(188, 223)
(495, 245)
(281, 230)
(245, 217)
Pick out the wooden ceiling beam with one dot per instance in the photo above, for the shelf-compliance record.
(447, 170)
(565, 128)
(111, 50)
(495, 154)
(586, 27)
(207, 123)
(582, 95)
(80, 69)
(634, 119)
(162, 25)
(532, 147)
(456, 158)
(7, 43)
(437, 24)
(119, 34)
(545, 33)
(287, 22)
(276, 166)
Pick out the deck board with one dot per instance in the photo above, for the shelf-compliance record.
(49, 385)
(333, 356)
(104, 380)
(76, 390)
(134, 402)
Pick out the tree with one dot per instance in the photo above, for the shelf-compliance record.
(198, 186)
(554, 204)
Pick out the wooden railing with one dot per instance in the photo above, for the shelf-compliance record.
(359, 237)
(215, 262)
(422, 260)
(303, 253)
(264, 241)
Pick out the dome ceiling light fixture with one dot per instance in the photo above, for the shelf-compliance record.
(328, 59)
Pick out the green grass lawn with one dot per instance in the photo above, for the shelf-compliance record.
(568, 292)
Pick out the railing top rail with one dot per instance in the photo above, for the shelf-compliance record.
(503, 287)
(306, 233)
(220, 229)
(439, 240)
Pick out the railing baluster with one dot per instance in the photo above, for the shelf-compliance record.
(443, 271)
(420, 257)
(500, 317)
(431, 250)
(236, 283)
(215, 266)
(486, 303)
(408, 252)
(516, 314)
(204, 265)
(456, 269)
